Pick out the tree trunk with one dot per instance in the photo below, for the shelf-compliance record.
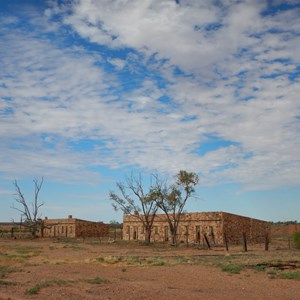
(174, 236)
(148, 235)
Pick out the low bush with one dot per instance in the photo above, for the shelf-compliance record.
(290, 275)
(35, 290)
(2, 282)
(232, 269)
(96, 280)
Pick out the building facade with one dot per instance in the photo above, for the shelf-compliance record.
(199, 227)
(73, 228)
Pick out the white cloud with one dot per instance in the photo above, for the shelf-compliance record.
(118, 63)
(228, 53)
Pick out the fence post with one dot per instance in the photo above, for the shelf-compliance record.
(267, 242)
(226, 242)
(245, 242)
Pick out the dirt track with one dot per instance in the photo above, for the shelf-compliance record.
(72, 265)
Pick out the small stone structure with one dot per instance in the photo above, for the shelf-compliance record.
(72, 227)
(194, 227)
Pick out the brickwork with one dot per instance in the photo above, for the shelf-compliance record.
(235, 226)
(91, 229)
(194, 226)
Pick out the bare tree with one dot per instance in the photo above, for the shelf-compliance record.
(136, 202)
(30, 211)
(171, 199)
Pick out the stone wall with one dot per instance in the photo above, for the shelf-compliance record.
(91, 229)
(234, 226)
(193, 227)
(59, 228)
(72, 227)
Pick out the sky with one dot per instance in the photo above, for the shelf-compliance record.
(93, 91)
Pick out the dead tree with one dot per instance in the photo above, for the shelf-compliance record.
(30, 211)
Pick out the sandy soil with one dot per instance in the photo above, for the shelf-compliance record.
(72, 265)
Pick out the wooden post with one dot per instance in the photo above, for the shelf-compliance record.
(206, 240)
(245, 242)
(226, 242)
(267, 242)
(115, 234)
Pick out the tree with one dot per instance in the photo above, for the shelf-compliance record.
(30, 215)
(134, 201)
(171, 199)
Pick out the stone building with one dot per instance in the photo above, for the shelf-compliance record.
(72, 227)
(194, 227)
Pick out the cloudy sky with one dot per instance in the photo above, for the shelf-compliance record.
(91, 91)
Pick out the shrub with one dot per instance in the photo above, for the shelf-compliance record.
(290, 275)
(96, 280)
(232, 269)
(5, 269)
(296, 239)
(35, 290)
(2, 282)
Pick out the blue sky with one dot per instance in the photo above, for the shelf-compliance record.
(91, 91)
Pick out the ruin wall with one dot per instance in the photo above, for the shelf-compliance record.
(193, 227)
(234, 226)
(91, 229)
(72, 228)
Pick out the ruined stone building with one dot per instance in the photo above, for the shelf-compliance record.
(193, 227)
(69, 227)
(72, 227)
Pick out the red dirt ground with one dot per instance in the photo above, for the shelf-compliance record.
(75, 263)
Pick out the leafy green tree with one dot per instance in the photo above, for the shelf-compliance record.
(172, 198)
(135, 201)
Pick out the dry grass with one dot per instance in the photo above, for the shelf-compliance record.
(33, 253)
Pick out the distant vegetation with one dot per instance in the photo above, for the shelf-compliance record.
(286, 223)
